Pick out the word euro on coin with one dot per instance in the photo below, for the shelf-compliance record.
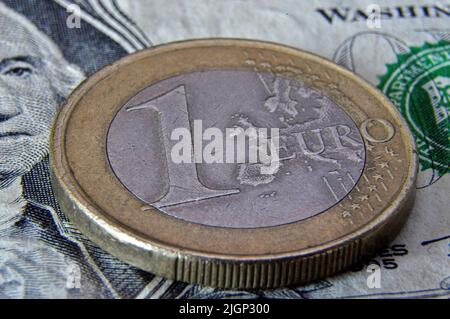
(233, 163)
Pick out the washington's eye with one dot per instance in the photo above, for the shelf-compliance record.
(18, 71)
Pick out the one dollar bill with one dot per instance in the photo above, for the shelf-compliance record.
(402, 47)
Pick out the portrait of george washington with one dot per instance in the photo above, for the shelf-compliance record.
(38, 256)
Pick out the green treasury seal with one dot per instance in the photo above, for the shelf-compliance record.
(419, 85)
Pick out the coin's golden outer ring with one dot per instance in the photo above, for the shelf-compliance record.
(103, 209)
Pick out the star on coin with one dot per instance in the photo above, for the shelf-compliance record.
(390, 152)
(356, 206)
(378, 177)
(364, 198)
(346, 214)
(384, 165)
(372, 188)
(369, 147)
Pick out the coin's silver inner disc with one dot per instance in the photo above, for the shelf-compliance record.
(321, 152)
